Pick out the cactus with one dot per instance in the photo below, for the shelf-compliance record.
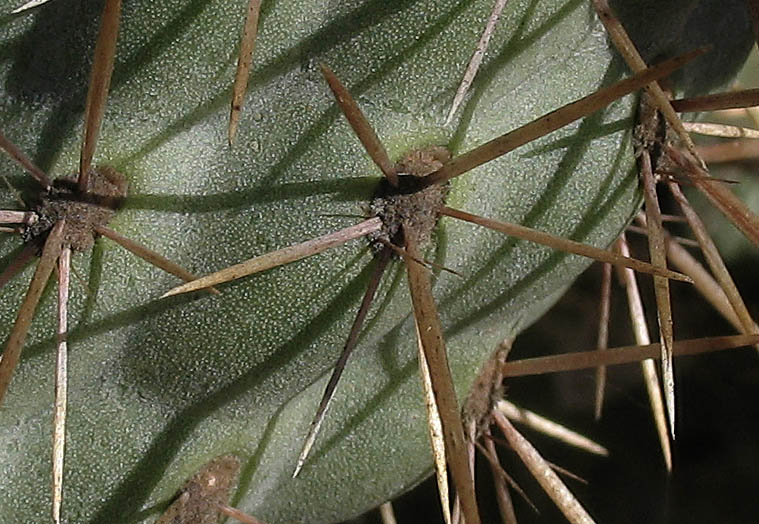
(158, 388)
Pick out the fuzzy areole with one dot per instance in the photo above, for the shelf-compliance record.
(83, 212)
(199, 498)
(410, 208)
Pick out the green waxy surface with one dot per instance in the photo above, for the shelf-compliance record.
(159, 387)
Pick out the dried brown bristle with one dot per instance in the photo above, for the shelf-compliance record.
(410, 207)
(83, 212)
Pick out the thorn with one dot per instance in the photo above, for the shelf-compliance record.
(21, 159)
(387, 514)
(689, 242)
(622, 355)
(638, 320)
(476, 60)
(569, 474)
(18, 217)
(361, 126)
(431, 333)
(729, 151)
(238, 515)
(28, 5)
(244, 63)
(26, 311)
(603, 337)
(489, 438)
(555, 120)
(719, 196)
(350, 344)
(718, 101)
(720, 130)
(61, 382)
(100, 82)
(425, 263)
(149, 256)
(505, 505)
(435, 431)
(658, 254)
(543, 473)
(280, 257)
(563, 244)
(550, 428)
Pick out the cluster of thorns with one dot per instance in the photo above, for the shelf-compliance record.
(70, 213)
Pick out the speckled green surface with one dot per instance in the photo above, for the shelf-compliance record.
(159, 387)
